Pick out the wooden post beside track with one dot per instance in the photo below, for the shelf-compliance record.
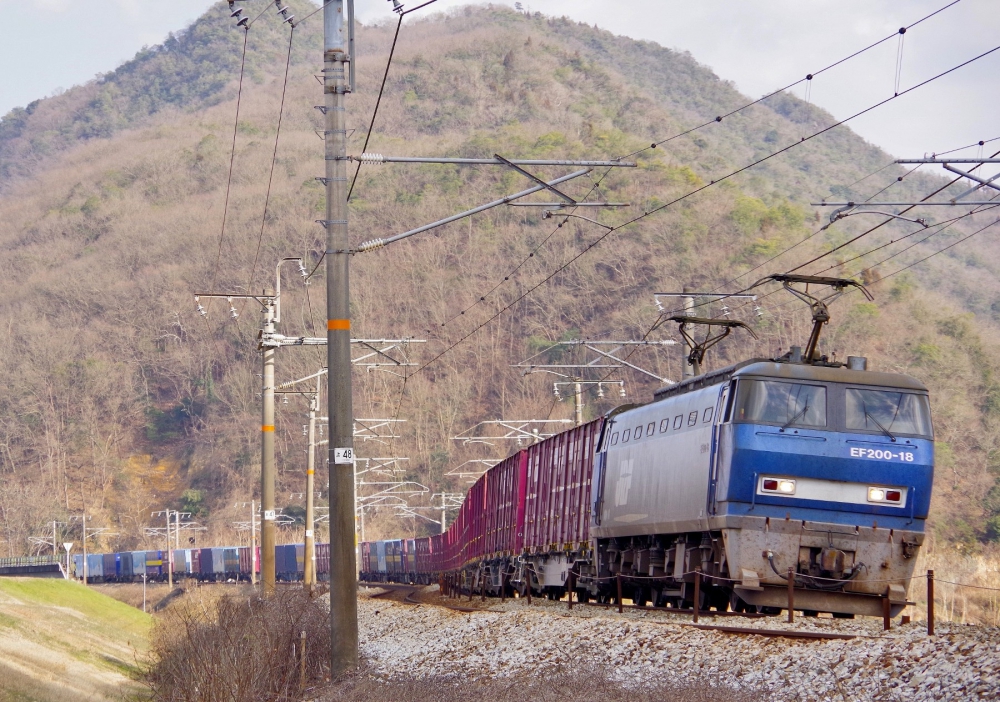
(697, 593)
(886, 613)
(571, 582)
(503, 585)
(930, 603)
(791, 595)
(302, 661)
(619, 579)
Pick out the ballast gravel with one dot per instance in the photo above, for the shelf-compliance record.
(637, 647)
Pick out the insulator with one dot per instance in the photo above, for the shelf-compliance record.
(725, 311)
(305, 430)
(600, 390)
(621, 390)
(372, 158)
(284, 399)
(302, 270)
(371, 245)
(201, 311)
(237, 12)
(758, 310)
(288, 20)
(233, 313)
(244, 23)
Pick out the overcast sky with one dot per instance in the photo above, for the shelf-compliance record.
(760, 45)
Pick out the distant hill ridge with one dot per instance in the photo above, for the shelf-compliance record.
(120, 398)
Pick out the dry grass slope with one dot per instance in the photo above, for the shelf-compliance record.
(59, 641)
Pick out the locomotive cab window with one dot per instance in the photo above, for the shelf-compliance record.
(777, 402)
(888, 412)
(706, 416)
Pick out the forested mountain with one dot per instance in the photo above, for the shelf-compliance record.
(118, 397)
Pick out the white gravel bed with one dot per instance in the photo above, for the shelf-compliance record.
(960, 662)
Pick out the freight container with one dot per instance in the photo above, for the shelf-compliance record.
(231, 563)
(109, 567)
(380, 558)
(138, 564)
(154, 564)
(323, 562)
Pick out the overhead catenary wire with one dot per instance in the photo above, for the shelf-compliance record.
(716, 120)
(697, 190)
(232, 159)
(378, 101)
(808, 78)
(274, 158)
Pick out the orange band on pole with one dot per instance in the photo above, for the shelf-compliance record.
(339, 324)
(267, 427)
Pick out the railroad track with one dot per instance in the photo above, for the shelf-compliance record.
(409, 593)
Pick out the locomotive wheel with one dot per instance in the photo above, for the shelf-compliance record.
(737, 604)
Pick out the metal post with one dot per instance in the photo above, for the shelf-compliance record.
(578, 403)
(84, 548)
(620, 606)
(930, 603)
(697, 593)
(571, 583)
(528, 588)
(170, 556)
(253, 543)
(267, 472)
(503, 584)
(177, 530)
(343, 570)
(886, 613)
(309, 576)
(791, 595)
(688, 370)
(55, 553)
(482, 586)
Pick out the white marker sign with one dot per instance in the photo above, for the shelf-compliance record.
(269, 515)
(343, 456)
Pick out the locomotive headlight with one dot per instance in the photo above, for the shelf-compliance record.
(779, 485)
(876, 494)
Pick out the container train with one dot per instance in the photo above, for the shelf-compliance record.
(748, 475)
(226, 564)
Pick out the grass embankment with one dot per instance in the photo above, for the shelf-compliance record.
(60, 640)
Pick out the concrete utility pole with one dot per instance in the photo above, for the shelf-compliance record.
(343, 569)
(267, 472)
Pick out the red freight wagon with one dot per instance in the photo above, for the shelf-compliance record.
(422, 555)
(366, 552)
(504, 505)
(438, 550)
(557, 496)
(196, 561)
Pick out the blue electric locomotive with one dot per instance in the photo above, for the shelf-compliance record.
(762, 471)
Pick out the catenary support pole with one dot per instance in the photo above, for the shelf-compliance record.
(578, 403)
(85, 548)
(343, 571)
(170, 556)
(688, 369)
(309, 576)
(267, 472)
(253, 542)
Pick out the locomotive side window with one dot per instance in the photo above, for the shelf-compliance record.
(637, 433)
(614, 438)
(678, 421)
(787, 404)
(626, 434)
(730, 401)
(650, 428)
(692, 418)
(706, 416)
(664, 425)
(889, 412)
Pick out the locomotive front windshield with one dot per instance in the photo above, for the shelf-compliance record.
(888, 411)
(787, 404)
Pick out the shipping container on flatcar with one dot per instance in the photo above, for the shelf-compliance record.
(195, 556)
(138, 564)
(323, 562)
(300, 561)
(504, 506)
(380, 557)
(108, 566)
(95, 567)
(231, 563)
(154, 564)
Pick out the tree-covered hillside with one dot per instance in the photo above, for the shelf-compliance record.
(119, 398)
